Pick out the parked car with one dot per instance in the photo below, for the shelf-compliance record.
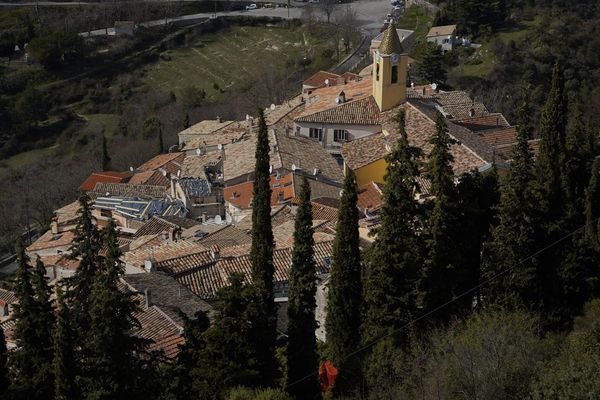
(314, 1)
(252, 6)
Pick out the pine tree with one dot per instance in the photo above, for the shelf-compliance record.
(344, 299)
(85, 248)
(514, 239)
(161, 143)
(444, 271)
(105, 156)
(431, 69)
(264, 332)
(301, 350)
(551, 158)
(592, 206)
(232, 359)
(394, 259)
(64, 358)
(111, 367)
(4, 377)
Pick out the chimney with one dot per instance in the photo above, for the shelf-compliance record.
(497, 121)
(219, 120)
(341, 97)
(215, 252)
(423, 90)
(148, 298)
(472, 112)
(280, 197)
(203, 217)
(173, 191)
(148, 266)
(54, 226)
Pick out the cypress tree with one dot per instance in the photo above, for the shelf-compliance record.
(186, 121)
(161, 143)
(301, 350)
(394, 259)
(232, 359)
(551, 158)
(264, 332)
(4, 377)
(105, 156)
(344, 299)
(592, 206)
(26, 361)
(515, 236)
(111, 368)
(444, 271)
(64, 357)
(85, 248)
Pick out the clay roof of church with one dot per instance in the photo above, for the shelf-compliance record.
(390, 43)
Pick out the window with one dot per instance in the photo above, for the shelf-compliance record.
(297, 131)
(316, 133)
(377, 72)
(340, 135)
(394, 74)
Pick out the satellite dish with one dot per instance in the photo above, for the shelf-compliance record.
(434, 86)
(198, 152)
(337, 100)
(131, 169)
(248, 117)
(220, 146)
(341, 192)
(218, 219)
(272, 107)
(326, 82)
(178, 173)
(315, 171)
(293, 167)
(271, 169)
(164, 172)
(228, 219)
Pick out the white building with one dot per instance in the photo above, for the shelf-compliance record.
(443, 36)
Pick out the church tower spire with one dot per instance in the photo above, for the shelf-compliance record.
(389, 70)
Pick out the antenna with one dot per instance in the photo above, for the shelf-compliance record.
(293, 167)
(273, 107)
(198, 152)
(220, 146)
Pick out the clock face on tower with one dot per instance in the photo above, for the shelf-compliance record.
(395, 58)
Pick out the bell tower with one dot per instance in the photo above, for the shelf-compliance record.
(389, 71)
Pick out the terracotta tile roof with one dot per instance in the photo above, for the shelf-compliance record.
(194, 166)
(484, 122)
(165, 335)
(208, 279)
(283, 112)
(240, 195)
(499, 137)
(318, 236)
(167, 294)
(162, 224)
(348, 76)
(324, 212)
(67, 214)
(159, 249)
(285, 152)
(324, 98)
(505, 151)
(390, 42)
(105, 177)
(170, 161)
(206, 127)
(150, 177)
(318, 79)
(8, 327)
(333, 202)
(283, 235)
(8, 297)
(226, 237)
(443, 30)
(279, 215)
(424, 184)
(178, 265)
(366, 150)
(49, 240)
(128, 190)
(358, 112)
(461, 111)
(228, 133)
(370, 197)
(318, 188)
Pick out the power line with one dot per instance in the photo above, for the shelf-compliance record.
(436, 309)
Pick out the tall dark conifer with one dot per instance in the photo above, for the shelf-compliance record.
(64, 367)
(85, 248)
(444, 270)
(301, 352)
(592, 206)
(111, 367)
(514, 239)
(551, 158)
(344, 299)
(264, 332)
(105, 155)
(4, 377)
(395, 257)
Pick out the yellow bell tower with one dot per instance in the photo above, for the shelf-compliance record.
(389, 71)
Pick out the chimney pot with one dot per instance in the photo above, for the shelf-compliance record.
(147, 297)
(215, 252)
(472, 112)
(148, 266)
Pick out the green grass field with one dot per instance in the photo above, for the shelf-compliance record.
(29, 157)
(231, 57)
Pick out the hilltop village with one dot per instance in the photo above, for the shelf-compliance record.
(184, 217)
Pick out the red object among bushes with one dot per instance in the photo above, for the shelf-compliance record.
(327, 376)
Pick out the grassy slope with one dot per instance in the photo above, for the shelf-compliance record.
(416, 19)
(227, 58)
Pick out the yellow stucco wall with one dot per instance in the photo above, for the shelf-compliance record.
(371, 172)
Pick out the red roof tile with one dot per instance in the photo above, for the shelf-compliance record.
(484, 122)
(172, 162)
(104, 177)
(240, 195)
(318, 79)
(370, 197)
(499, 137)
